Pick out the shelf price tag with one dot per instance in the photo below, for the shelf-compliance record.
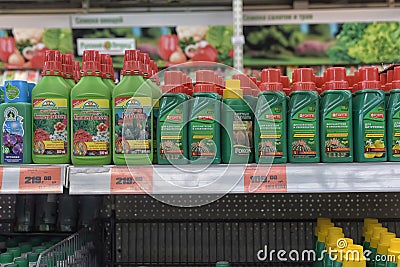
(40, 180)
(132, 180)
(265, 179)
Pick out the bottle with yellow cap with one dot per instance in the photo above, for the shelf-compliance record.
(376, 236)
(393, 252)
(353, 256)
(330, 247)
(320, 244)
(237, 126)
(367, 221)
(320, 221)
(382, 250)
(368, 235)
(339, 251)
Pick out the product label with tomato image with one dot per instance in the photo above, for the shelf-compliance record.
(50, 126)
(242, 134)
(172, 125)
(202, 130)
(304, 128)
(396, 136)
(337, 125)
(13, 136)
(270, 123)
(133, 125)
(91, 124)
(374, 133)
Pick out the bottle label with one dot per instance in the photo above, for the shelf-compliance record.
(172, 125)
(202, 128)
(270, 122)
(91, 123)
(13, 136)
(374, 133)
(133, 125)
(12, 92)
(304, 125)
(337, 125)
(396, 135)
(50, 126)
(242, 134)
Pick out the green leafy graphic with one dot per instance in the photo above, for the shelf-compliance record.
(58, 39)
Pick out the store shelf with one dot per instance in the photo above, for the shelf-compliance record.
(221, 179)
(32, 179)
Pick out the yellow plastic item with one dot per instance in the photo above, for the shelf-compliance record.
(331, 240)
(370, 231)
(376, 236)
(334, 230)
(394, 247)
(232, 89)
(321, 221)
(353, 257)
(323, 232)
(368, 221)
(384, 242)
(341, 247)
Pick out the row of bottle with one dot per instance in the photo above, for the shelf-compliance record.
(49, 213)
(379, 247)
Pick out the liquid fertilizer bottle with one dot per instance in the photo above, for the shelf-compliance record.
(172, 121)
(68, 69)
(303, 120)
(16, 123)
(237, 126)
(156, 94)
(245, 85)
(133, 118)
(107, 71)
(51, 114)
(90, 112)
(369, 118)
(270, 139)
(204, 125)
(388, 86)
(393, 118)
(336, 118)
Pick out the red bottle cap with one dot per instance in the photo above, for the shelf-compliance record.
(67, 65)
(395, 84)
(107, 71)
(271, 80)
(147, 71)
(254, 85)
(368, 78)
(244, 83)
(172, 77)
(91, 55)
(319, 82)
(383, 79)
(52, 68)
(205, 76)
(285, 84)
(389, 80)
(336, 79)
(204, 88)
(132, 68)
(189, 84)
(52, 55)
(145, 58)
(303, 79)
(132, 55)
(77, 71)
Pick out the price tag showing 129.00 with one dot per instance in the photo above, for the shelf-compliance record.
(133, 180)
(40, 179)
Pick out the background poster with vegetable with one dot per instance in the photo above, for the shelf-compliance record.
(23, 48)
(172, 45)
(313, 44)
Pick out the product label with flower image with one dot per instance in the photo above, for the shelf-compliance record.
(337, 125)
(90, 127)
(374, 129)
(304, 125)
(13, 136)
(50, 126)
(133, 125)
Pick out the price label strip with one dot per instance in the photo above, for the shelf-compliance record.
(133, 180)
(40, 180)
(265, 179)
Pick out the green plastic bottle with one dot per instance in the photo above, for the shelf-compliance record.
(245, 85)
(172, 135)
(376, 236)
(204, 126)
(6, 258)
(107, 71)
(16, 123)
(90, 112)
(51, 119)
(16, 252)
(382, 250)
(32, 259)
(22, 262)
(303, 120)
(369, 118)
(270, 140)
(393, 118)
(336, 118)
(25, 249)
(388, 85)
(68, 69)
(133, 118)
(237, 126)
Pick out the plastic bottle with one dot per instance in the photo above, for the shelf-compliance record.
(393, 118)
(270, 140)
(133, 118)
(21, 262)
(15, 251)
(46, 213)
(354, 257)
(369, 118)
(320, 244)
(107, 71)
(382, 250)
(367, 221)
(16, 123)
(77, 71)
(245, 85)
(320, 221)
(25, 213)
(368, 234)
(330, 247)
(237, 128)
(32, 259)
(51, 115)
(90, 113)
(68, 69)
(172, 121)
(25, 249)
(393, 252)
(336, 118)
(204, 125)
(303, 123)
(388, 86)
(286, 85)
(376, 235)
(6, 259)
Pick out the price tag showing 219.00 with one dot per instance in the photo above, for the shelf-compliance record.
(132, 180)
(40, 179)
